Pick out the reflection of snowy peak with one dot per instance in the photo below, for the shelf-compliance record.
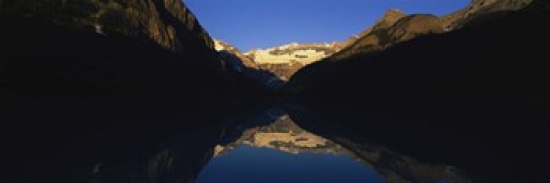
(285, 136)
(294, 52)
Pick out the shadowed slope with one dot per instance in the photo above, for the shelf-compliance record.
(486, 82)
(70, 97)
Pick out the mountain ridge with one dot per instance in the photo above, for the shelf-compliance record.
(76, 75)
(481, 7)
(168, 23)
(303, 53)
(484, 78)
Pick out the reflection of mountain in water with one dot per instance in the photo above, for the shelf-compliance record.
(396, 167)
(283, 135)
(183, 157)
(287, 136)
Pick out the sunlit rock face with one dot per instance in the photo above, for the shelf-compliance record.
(168, 23)
(412, 26)
(235, 59)
(393, 28)
(388, 19)
(481, 7)
(232, 54)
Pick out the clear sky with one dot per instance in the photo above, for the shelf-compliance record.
(251, 24)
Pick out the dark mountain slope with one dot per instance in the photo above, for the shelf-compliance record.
(488, 61)
(169, 23)
(72, 96)
(61, 87)
(486, 82)
(241, 64)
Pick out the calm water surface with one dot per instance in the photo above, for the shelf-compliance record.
(280, 150)
(252, 164)
(271, 146)
(283, 152)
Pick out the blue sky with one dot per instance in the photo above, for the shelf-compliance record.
(251, 24)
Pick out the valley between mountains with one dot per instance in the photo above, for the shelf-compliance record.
(138, 91)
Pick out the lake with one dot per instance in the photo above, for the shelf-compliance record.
(269, 146)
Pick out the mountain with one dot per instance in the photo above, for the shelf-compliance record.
(82, 82)
(294, 52)
(285, 60)
(387, 20)
(169, 23)
(394, 27)
(107, 49)
(237, 61)
(479, 8)
(273, 66)
(483, 81)
(240, 60)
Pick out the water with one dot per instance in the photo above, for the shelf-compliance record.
(274, 145)
(252, 164)
(283, 152)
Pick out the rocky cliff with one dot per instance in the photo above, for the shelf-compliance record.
(396, 27)
(236, 60)
(393, 28)
(168, 23)
(473, 81)
(387, 20)
(84, 80)
(233, 55)
(479, 8)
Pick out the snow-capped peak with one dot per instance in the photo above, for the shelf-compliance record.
(304, 53)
